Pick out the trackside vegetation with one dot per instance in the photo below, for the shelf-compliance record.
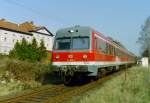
(17, 75)
(29, 51)
(134, 88)
(24, 68)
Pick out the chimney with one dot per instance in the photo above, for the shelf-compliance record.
(2, 19)
(32, 22)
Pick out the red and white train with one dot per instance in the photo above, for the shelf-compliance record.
(82, 51)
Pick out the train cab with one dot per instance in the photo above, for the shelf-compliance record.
(72, 46)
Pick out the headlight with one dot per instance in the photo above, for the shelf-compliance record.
(57, 56)
(85, 56)
(70, 56)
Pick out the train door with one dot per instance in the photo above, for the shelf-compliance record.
(95, 44)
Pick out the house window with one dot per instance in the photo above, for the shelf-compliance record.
(5, 39)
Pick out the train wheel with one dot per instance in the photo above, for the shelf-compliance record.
(76, 79)
(99, 74)
(69, 80)
(102, 72)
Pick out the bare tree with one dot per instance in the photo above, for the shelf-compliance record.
(144, 38)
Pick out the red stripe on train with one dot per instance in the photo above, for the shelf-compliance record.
(83, 56)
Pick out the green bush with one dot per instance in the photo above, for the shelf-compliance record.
(26, 71)
(3, 56)
(29, 51)
(17, 75)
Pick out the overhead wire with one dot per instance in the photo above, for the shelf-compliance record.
(36, 12)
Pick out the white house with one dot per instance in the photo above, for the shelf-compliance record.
(44, 34)
(10, 33)
(144, 61)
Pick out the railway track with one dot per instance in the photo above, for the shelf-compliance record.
(78, 90)
(36, 96)
(56, 94)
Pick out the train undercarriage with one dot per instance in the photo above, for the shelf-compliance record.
(80, 74)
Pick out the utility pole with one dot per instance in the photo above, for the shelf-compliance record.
(148, 46)
(126, 71)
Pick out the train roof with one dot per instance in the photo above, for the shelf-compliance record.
(77, 27)
(74, 31)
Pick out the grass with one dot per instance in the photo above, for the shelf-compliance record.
(16, 75)
(135, 88)
(16, 86)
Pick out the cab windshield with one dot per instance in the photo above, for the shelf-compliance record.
(74, 43)
(80, 43)
(63, 44)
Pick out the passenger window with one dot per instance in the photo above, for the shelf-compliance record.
(95, 43)
(114, 51)
(108, 49)
(117, 52)
(102, 46)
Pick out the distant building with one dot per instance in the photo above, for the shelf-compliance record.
(10, 33)
(144, 61)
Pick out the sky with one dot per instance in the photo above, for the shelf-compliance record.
(119, 19)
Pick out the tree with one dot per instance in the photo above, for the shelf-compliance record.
(20, 50)
(34, 43)
(144, 38)
(13, 53)
(28, 51)
(23, 50)
(145, 53)
(42, 50)
(33, 50)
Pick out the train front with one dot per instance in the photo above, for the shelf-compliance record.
(72, 52)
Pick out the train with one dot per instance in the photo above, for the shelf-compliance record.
(82, 51)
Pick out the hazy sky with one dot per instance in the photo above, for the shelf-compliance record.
(120, 19)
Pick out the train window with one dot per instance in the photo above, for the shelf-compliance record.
(117, 52)
(120, 54)
(80, 43)
(62, 44)
(95, 43)
(108, 49)
(114, 50)
(102, 46)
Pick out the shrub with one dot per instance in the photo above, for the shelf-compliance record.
(28, 51)
(26, 71)
(17, 75)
